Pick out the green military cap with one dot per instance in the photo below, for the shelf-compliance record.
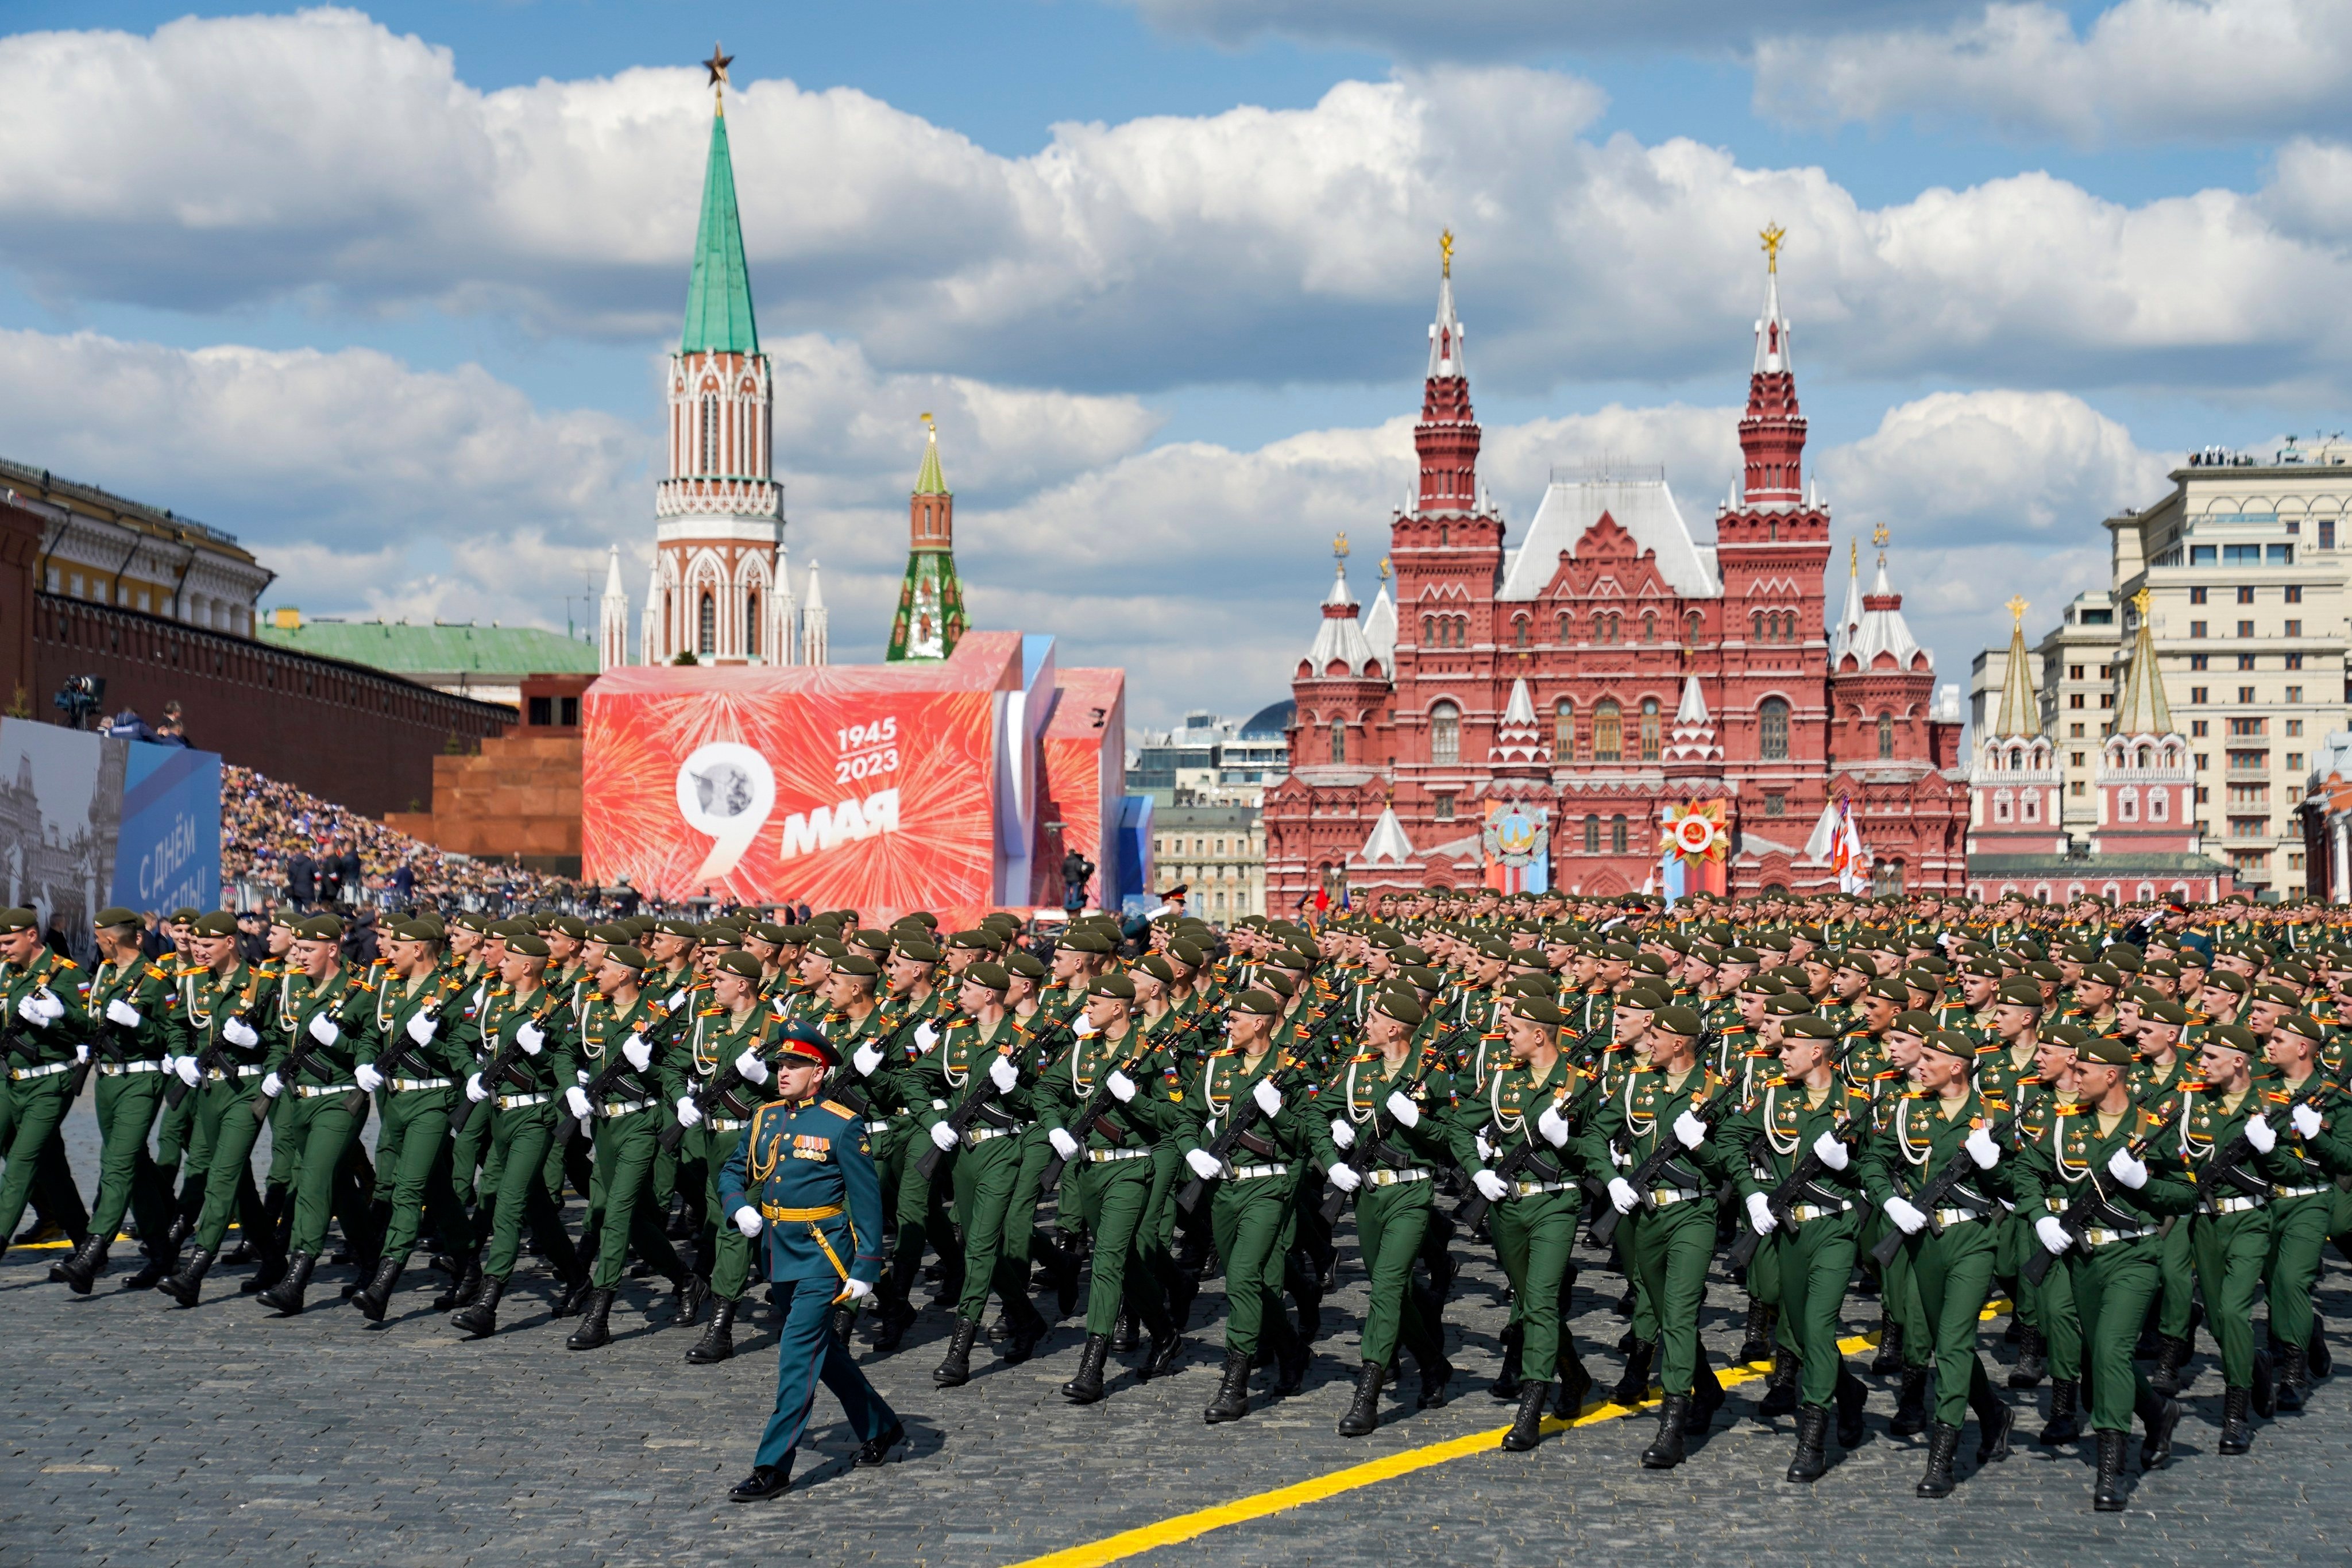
(2020, 993)
(1423, 977)
(1402, 1006)
(2162, 968)
(1087, 941)
(2103, 973)
(1312, 951)
(1620, 952)
(1919, 979)
(627, 957)
(719, 934)
(1763, 983)
(291, 918)
(1854, 959)
(872, 941)
(2227, 980)
(856, 964)
(572, 926)
(612, 932)
(988, 976)
(1275, 981)
(2069, 1036)
(185, 913)
(1681, 944)
(220, 922)
(769, 932)
(1385, 936)
(429, 922)
(1190, 955)
(1787, 1005)
(504, 928)
(923, 918)
(1742, 955)
(116, 915)
(1651, 963)
(320, 928)
(1541, 986)
(833, 952)
(1791, 975)
(985, 941)
(2236, 1037)
(1264, 1004)
(2078, 953)
(2112, 1050)
(528, 945)
(1915, 1021)
(677, 926)
(1888, 991)
(1022, 964)
(2305, 1025)
(1289, 958)
(1677, 1020)
(2125, 957)
(920, 951)
(467, 920)
(1982, 968)
(1411, 954)
(1810, 1026)
(2164, 1010)
(1540, 1010)
(2043, 969)
(2293, 969)
(1951, 1043)
(1157, 967)
(1643, 997)
(1118, 985)
(2278, 995)
(739, 964)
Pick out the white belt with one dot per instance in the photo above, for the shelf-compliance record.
(19, 1074)
(882, 1126)
(516, 1101)
(1662, 1196)
(2240, 1203)
(320, 1090)
(1393, 1178)
(2108, 1237)
(938, 1105)
(2300, 1191)
(221, 1075)
(1530, 1189)
(1802, 1213)
(1105, 1156)
(720, 1125)
(621, 1107)
(977, 1135)
(403, 1085)
(109, 1070)
(1956, 1217)
(1252, 1172)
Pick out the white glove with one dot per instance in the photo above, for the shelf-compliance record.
(747, 1220)
(1833, 1152)
(1269, 1096)
(675, 998)
(640, 1054)
(1689, 1131)
(1121, 1086)
(1064, 1144)
(324, 1029)
(1344, 1178)
(187, 1067)
(2306, 1121)
(1622, 1195)
(1085, 1027)
(1478, 1141)
(750, 1068)
(121, 1012)
(2123, 1168)
(272, 1085)
(1553, 1126)
(29, 1009)
(2053, 1235)
(51, 1008)
(1491, 1188)
(238, 1032)
(1004, 1074)
(531, 1038)
(1982, 1149)
(856, 1289)
(688, 1114)
(1907, 1219)
(370, 1079)
(1760, 1213)
(475, 1092)
(1204, 1164)
(943, 1136)
(81, 1052)
(576, 1100)
(2259, 1136)
(927, 1034)
(1343, 1137)
(421, 1026)
(865, 1058)
(1406, 1112)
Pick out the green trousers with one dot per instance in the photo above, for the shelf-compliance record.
(1251, 1225)
(413, 1170)
(1021, 1212)
(1898, 1295)
(984, 1177)
(1811, 1264)
(723, 1253)
(2178, 1262)
(317, 1133)
(127, 1179)
(520, 1138)
(621, 1211)
(1390, 1224)
(1113, 1200)
(1535, 1241)
(466, 1149)
(1953, 1273)
(2298, 1236)
(1669, 1250)
(31, 1110)
(2114, 1286)
(226, 1128)
(2231, 1251)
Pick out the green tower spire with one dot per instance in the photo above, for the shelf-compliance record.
(930, 616)
(719, 300)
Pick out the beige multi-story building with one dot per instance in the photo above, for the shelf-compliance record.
(2244, 564)
(2077, 691)
(1218, 852)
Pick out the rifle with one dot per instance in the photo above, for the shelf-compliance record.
(1929, 1198)
(1368, 1141)
(719, 1085)
(1097, 1105)
(1472, 1213)
(1670, 1149)
(1242, 1116)
(409, 1049)
(504, 1063)
(2229, 1162)
(212, 1060)
(301, 1057)
(2088, 1208)
(855, 1095)
(978, 1098)
(101, 1044)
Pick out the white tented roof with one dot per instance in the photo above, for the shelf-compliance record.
(1380, 624)
(1643, 507)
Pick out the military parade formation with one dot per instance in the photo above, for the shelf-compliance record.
(2111, 1128)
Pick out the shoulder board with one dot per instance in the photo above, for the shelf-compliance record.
(2073, 1109)
(837, 1108)
(157, 972)
(366, 985)
(1226, 1051)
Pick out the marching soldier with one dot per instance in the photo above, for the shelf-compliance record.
(127, 1003)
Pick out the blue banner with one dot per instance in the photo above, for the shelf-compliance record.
(168, 852)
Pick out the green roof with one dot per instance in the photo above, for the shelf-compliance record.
(439, 648)
(719, 300)
(928, 480)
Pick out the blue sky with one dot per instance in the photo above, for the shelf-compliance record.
(386, 292)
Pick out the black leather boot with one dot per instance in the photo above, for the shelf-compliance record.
(1995, 1421)
(1436, 1372)
(595, 1326)
(1635, 1386)
(2293, 1377)
(1888, 1361)
(1526, 1427)
(374, 1299)
(690, 1291)
(479, 1319)
(2316, 1354)
(2265, 1388)
(185, 1286)
(2237, 1421)
(1233, 1390)
(1780, 1389)
(154, 1271)
(1943, 1446)
(1665, 1450)
(2171, 1356)
(285, 1297)
(462, 1292)
(2033, 1360)
(718, 1340)
(764, 1483)
(576, 1295)
(2159, 1415)
(1851, 1395)
(2065, 1424)
(1363, 1416)
(1758, 1344)
(955, 1368)
(1707, 1397)
(2108, 1495)
(1575, 1382)
(1127, 1338)
(1292, 1356)
(1029, 1326)
(1507, 1381)
(1811, 1460)
(1087, 1386)
(81, 1271)
(1911, 1403)
(1166, 1345)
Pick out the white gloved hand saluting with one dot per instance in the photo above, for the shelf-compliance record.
(421, 1027)
(121, 1012)
(1269, 1098)
(747, 1220)
(531, 1038)
(1832, 1154)
(943, 1137)
(639, 1052)
(750, 1068)
(1004, 1074)
(1907, 1218)
(1121, 1086)
(1491, 1188)
(1759, 1214)
(1406, 1112)
(1204, 1164)
(1064, 1144)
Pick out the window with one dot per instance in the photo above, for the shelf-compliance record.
(2251, 794)
(2295, 629)
(2106, 672)
(2326, 535)
(568, 712)
(2203, 795)
(1339, 740)
(1519, 631)
(2294, 594)
(2294, 694)
(2245, 661)
(2197, 628)
(2159, 804)
(1776, 805)
(2196, 727)
(1616, 835)
(2245, 596)
(2245, 694)
(1221, 846)
(2074, 699)
(2250, 827)
(1693, 623)
(2278, 555)
(2074, 731)
(1885, 736)
(1649, 625)
(2196, 661)
(1772, 730)
(2203, 761)
(2127, 805)
(1445, 733)
(752, 623)
(2196, 694)
(543, 711)
(2245, 628)
(1608, 732)
(709, 435)
(2294, 761)
(1563, 731)
(2250, 762)
(2107, 699)
(2073, 672)
(2201, 555)
(2195, 595)
(2295, 726)
(1592, 836)
(1442, 808)
(2078, 788)
(2294, 661)
(706, 635)
(1649, 729)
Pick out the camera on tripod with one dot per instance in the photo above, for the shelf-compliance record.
(80, 697)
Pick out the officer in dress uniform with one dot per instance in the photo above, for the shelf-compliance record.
(802, 1173)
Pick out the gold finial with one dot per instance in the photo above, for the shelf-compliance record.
(2141, 603)
(1854, 557)
(1879, 536)
(717, 66)
(1339, 547)
(1446, 252)
(928, 423)
(1772, 236)
(1385, 568)
(2016, 608)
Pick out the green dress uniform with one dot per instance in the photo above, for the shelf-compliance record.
(2229, 1230)
(219, 1045)
(715, 1041)
(1813, 1247)
(128, 1009)
(42, 1026)
(1253, 1209)
(471, 989)
(2302, 1215)
(625, 1100)
(1533, 1224)
(982, 1167)
(524, 1101)
(1111, 1176)
(420, 1051)
(317, 1031)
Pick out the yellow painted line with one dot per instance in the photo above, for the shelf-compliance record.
(1189, 1526)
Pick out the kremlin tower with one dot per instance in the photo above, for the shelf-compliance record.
(931, 602)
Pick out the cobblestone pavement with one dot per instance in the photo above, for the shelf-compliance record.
(132, 1431)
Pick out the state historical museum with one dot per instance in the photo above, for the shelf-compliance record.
(1531, 718)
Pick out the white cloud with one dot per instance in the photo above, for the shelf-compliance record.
(1495, 28)
(2147, 70)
